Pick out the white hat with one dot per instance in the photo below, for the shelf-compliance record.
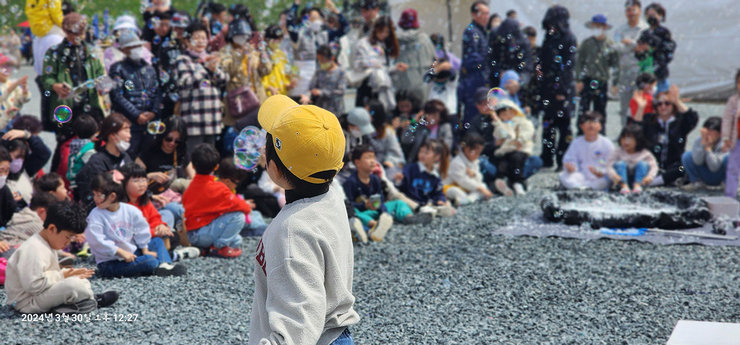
(129, 38)
(125, 22)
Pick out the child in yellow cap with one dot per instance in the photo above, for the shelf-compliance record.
(303, 278)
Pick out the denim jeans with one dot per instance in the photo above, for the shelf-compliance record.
(172, 213)
(142, 265)
(701, 173)
(221, 232)
(344, 339)
(488, 169)
(639, 172)
(256, 226)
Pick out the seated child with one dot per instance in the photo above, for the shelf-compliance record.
(161, 222)
(35, 283)
(25, 223)
(422, 181)
(82, 147)
(631, 161)
(214, 215)
(365, 191)
(53, 184)
(642, 99)
(7, 199)
(230, 175)
(120, 238)
(464, 183)
(585, 159)
(514, 134)
(706, 164)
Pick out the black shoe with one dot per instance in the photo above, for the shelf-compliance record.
(65, 261)
(167, 270)
(419, 218)
(81, 307)
(106, 299)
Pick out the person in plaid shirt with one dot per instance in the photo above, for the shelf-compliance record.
(200, 81)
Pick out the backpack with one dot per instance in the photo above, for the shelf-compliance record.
(76, 162)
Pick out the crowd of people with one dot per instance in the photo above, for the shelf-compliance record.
(143, 174)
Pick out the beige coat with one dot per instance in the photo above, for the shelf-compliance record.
(232, 63)
(730, 119)
(520, 131)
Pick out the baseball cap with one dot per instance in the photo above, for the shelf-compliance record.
(361, 118)
(307, 139)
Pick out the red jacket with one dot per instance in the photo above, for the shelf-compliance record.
(152, 216)
(205, 200)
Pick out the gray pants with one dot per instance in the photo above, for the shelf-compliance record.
(625, 95)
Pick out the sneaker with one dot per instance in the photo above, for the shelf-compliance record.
(186, 253)
(519, 189)
(502, 187)
(106, 299)
(625, 190)
(85, 251)
(226, 252)
(167, 270)
(81, 307)
(419, 218)
(66, 261)
(357, 230)
(428, 209)
(377, 233)
(693, 186)
(637, 189)
(446, 211)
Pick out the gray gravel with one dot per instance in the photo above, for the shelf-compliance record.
(446, 283)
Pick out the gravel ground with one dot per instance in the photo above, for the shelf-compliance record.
(447, 283)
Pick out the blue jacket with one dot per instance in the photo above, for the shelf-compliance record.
(357, 192)
(474, 71)
(420, 185)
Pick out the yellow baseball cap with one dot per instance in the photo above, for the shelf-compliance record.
(308, 139)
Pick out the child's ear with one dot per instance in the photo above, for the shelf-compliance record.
(216, 168)
(52, 228)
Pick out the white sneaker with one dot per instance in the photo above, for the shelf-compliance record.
(377, 233)
(428, 209)
(502, 187)
(519, 189)
(186, 253)
(356, 225)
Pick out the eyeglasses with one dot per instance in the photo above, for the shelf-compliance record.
(171, 139)
(657, 104)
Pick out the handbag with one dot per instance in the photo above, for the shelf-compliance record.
(241, 102)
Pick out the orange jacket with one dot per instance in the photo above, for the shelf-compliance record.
(205, 200)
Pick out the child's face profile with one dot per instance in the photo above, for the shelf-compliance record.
(366, 163)
(4, 168)
(472, 153)
(59, 239)
(61, 192)
(103, 201)
(136, 187)
(228, 182)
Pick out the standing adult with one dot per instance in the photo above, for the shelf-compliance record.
(655, 46)
(557, 87)
(474, 70)
(416, 51)
(625, 39)
(45, 19)
(306, 40)
(510, 50)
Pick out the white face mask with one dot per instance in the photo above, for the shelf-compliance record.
(2, 180)
(122, 145)
(240, 40)
(355, 133)
(316, 26)
(137, 53)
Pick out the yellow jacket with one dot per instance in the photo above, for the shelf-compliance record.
(43, 14)
(279, 77)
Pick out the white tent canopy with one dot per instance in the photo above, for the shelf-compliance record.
(707, 33)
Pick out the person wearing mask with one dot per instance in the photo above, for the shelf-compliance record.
(474, 70)
(307, 39)
(416, 51)
(556, 88)
(154, 10)
(166, 61)
(625, 39)
(137, 94)
(655, 46)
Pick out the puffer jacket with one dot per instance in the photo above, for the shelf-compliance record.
(558, 54)
(243, 70)
(137, 90)
(417, 51)
(43, 15)
(510, 50)
(520, 131)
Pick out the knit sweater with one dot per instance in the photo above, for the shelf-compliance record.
(205, 200)
(24, 224)
(711, 159)
(106, 231)
(303, 274)
(620, 155)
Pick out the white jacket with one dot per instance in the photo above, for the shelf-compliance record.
(457, 174)
(521, 130)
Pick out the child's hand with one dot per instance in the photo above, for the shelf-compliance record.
(646, 181)
(305, 99)
(127, 256)
(251, 203)
(598, 173)
(17, 196)
(82, 273)
(148, 252)
(369, 205)
(727, 145)
(371, 223)
(315, 92)
(570, 167)
(4, 246)
(485, 192)
(470, 172)
(639, 99)
(158, 177)
(162, 230)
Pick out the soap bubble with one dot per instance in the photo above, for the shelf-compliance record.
(62, 114)
(129, 85)
(49, 69)
(594, 84)
(104, 84)
(47, 93)
(495, 95)
(205, 84)
(558, 59)
(247, 146)
(466, 125)
(164, 77)
(155, 127)
(573, 49)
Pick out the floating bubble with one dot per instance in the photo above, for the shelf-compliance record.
(86, 108)
(164, 77)
(49, 69)
(155, 127)
(495, 95)
(205, 84)
(174, 97)
(466, 125)
(594, 84)
(558, 59)
(47, 93)
(546, 102)
(156, 40)
(129, 85)
(62, 114)
(104, 84)
(573, 49)
(247, 146)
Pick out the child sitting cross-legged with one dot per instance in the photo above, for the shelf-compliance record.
(586, 157)
(422, 180)
(365, 191)
(214, 215)
(119, 236)
(464, 183)
(631, 161)
(35, 283)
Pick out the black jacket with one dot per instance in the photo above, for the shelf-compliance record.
(7, 205)
(663, 46)
(557, 55)
(137, 90)
(678, 130)
(101, 162)
(509, 50)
